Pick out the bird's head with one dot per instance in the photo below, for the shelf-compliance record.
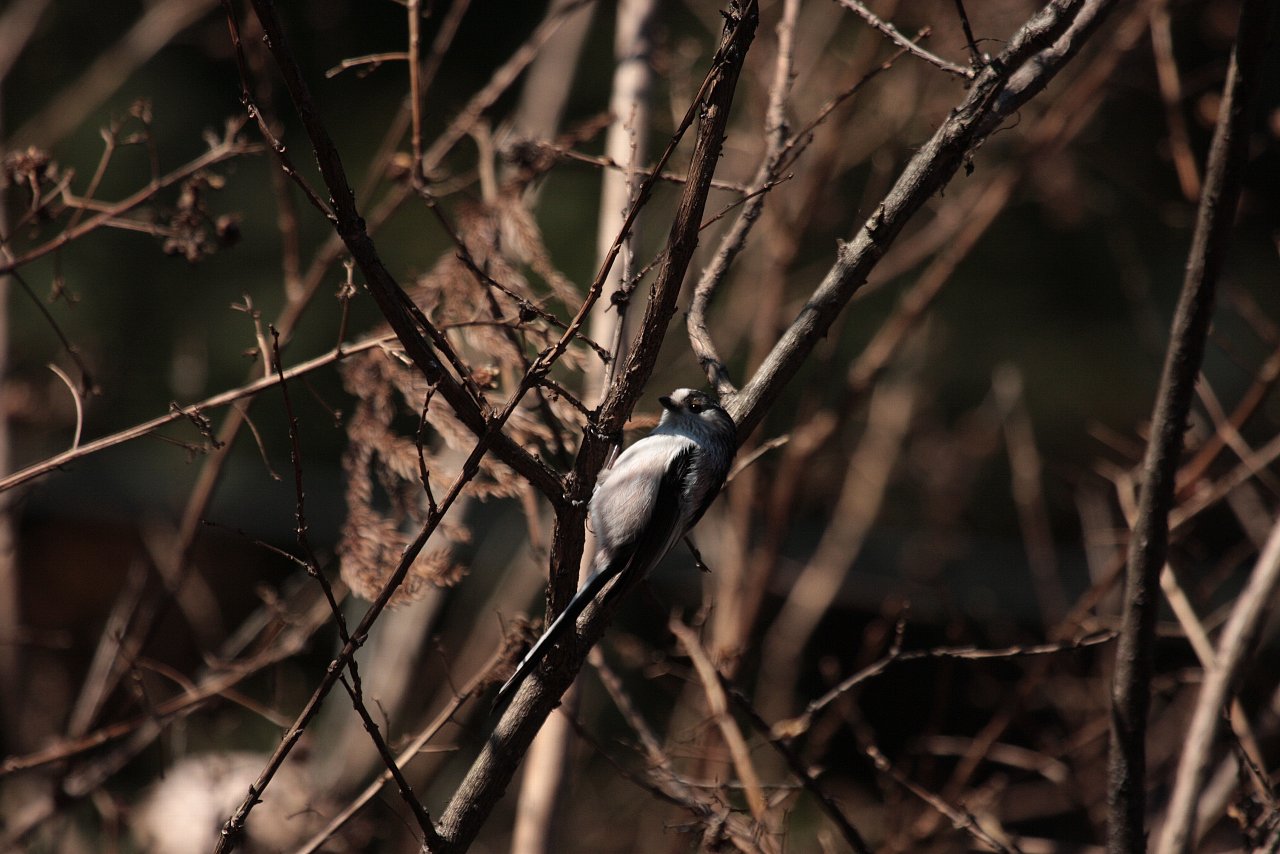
(695, 411)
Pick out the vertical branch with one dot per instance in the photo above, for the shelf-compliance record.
(776, 149)
(1028, 493)
(547, 763)
(414, 11)
(1130, 695)
(10, 608)
(624, 143)
(492, 770)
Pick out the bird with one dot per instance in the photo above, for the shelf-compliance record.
(656, 491)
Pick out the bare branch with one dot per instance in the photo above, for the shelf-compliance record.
(975, 56)
(1130, 696)
(229, 147)
(735, 239)
(798, 767)
(961, 818)
(400, 312)
(1032, 58)
(493, 768)
(891, 32)
(1234, 647)
(485, 676)
(182, 412)
(718, 705)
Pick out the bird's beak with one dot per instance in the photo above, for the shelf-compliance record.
(667, 403)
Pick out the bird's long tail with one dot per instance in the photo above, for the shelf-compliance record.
(564, 622)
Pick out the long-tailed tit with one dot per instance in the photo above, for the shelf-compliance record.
(655, 492)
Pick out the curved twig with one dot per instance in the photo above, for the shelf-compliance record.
(75, 395)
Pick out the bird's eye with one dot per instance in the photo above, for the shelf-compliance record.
(695, 407)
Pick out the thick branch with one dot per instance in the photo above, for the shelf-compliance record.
(493, 768)
(1131, 690)
(1044, 45)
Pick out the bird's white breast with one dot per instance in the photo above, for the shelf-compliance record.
(624, 499)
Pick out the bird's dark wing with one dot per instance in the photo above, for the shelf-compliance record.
(710, 495)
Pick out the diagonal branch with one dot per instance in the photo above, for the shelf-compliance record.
(1034, 55)
(1237, 641)
(895, 35)
(799, 768)
(718, 706)
(403, 316)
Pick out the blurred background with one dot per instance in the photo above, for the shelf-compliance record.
(954, 466)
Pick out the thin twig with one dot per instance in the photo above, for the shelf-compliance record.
(414, 11)
(525, 305)
(353, 686)
(498, 83)
(251, 108)
(87, 385)
(961, 818)
(894, 35)
(1234, 647)
(797, 725)
(666, 782)
(1033, 56)
(735, 238)
(226, 149)
(179, 413)
(798, 767)
(281, 648)
(975, 56)
(605, 162)
(373, 61)
(484, 676)
(401, 313)
(718, 706)
(75, 396)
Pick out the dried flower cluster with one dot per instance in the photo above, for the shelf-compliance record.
(395, 434)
